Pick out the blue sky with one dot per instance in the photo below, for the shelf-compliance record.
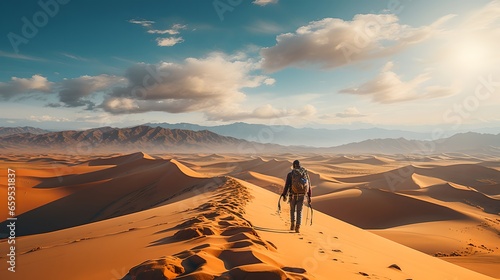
(413, 65)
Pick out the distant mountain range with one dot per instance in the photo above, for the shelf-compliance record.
(291, 136)
(5, 131)
(471, 142)
(143, 138)
(163, 140)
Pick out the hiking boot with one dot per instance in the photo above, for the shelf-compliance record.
(297, 229)
(292, 226)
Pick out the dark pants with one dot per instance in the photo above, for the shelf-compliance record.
(296, 203)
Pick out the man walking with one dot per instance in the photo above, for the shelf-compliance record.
(298, 185)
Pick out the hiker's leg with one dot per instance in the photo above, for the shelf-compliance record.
(299, 203)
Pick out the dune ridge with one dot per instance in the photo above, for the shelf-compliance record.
(232, 249)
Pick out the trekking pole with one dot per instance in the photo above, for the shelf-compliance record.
(311, 212)
(307, 217)
(279, 205)
(310, 206)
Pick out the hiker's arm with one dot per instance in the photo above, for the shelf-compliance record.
(288, 183)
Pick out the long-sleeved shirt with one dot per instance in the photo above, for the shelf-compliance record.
(288, 185)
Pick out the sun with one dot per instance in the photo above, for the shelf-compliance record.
(469, 56)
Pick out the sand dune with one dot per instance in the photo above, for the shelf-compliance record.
(271, 167)
(360, 159)
(117, 160)
(141, 216)
(491, 190)
(450, 192)
(491, 164)
(265, 181)
(373, 208)
(426, 181)
(461, 174)
(393, 180)
(108, 193)
(415, 177)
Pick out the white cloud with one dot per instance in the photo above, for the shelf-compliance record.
(485, 17)
(174, 30)
(22, 86)
(36, 83)
(163, 42)
(333, 42)
(212, 85)
(269, 81)
(169, 42)
(209, 83)
(264, 2)
(143, 23)
(388, 87)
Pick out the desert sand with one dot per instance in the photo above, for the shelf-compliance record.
(206, 216)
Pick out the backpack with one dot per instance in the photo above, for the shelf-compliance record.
(299, 180)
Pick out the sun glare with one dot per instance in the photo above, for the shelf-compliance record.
(469, 56)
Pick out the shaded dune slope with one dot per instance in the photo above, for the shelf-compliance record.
(114, 192)
(402, 178)
(376, 209)
(450, 192)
